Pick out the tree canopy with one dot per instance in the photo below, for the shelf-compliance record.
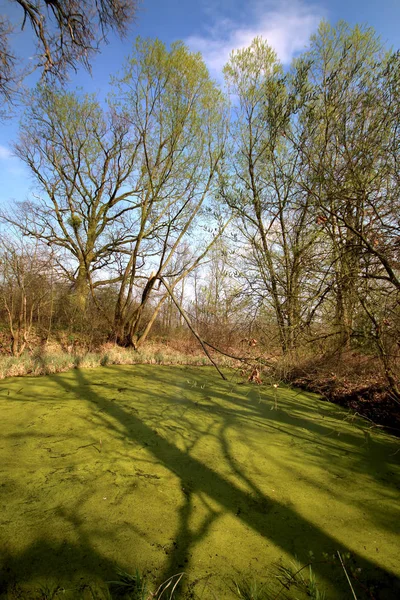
(279, 213)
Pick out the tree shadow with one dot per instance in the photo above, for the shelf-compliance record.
(267, 516)
(72, 567)
(173, 441)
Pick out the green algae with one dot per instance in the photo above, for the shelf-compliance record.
(170, 469)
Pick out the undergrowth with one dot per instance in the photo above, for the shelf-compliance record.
(285, 581)
(352, 382)
(46, 363)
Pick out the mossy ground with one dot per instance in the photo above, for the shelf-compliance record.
(170, 469)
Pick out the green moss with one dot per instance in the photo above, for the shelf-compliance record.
(170, 469)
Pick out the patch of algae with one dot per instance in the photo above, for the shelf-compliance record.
(170, 469)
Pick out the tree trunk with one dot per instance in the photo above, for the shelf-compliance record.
(80, 292)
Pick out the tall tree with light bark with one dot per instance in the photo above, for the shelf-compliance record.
(179, 115)
(274, 212)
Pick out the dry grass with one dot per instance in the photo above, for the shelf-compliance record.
(52, 359)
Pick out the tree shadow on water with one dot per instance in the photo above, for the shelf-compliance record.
(278, 523)
(72, 566)
(275, 521)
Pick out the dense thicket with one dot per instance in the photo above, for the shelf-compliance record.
(280, 223)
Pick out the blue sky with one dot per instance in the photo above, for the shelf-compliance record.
(213, 27)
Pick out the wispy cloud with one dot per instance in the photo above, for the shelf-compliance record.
(286, 26)
(5, 153)
(11, 165)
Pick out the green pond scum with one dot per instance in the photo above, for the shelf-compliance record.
(162, 470)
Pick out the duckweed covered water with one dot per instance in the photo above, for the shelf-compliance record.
(170, 469)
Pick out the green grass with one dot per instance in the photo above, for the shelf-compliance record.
(170, 470)
(133, 586)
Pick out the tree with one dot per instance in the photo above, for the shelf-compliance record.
(66, 34)
(179, 117)
(25, 289)
(119, 191)
(274, 212)
(336, 155)
(219, 308)
(83, 163)
(349, 161)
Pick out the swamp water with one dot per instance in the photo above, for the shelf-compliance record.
(171, 469)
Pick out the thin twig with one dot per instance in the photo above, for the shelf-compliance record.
(292, 578)
(348, 578)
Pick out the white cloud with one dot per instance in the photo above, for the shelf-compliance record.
(5, 153)
(12, 165)
(286, 26)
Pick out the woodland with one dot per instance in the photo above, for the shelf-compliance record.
(250, 226)
(263, 212)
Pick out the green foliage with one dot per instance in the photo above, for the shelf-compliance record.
(105, 360)
(246, 589)
(129, 587)
(301, 577)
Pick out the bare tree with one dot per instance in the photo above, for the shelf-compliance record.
(24, 288)
(66, 34)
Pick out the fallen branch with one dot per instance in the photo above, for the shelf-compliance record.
(192, 329)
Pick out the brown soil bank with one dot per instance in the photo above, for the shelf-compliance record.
(373, 401)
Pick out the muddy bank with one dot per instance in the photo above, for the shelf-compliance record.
(371, 401)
